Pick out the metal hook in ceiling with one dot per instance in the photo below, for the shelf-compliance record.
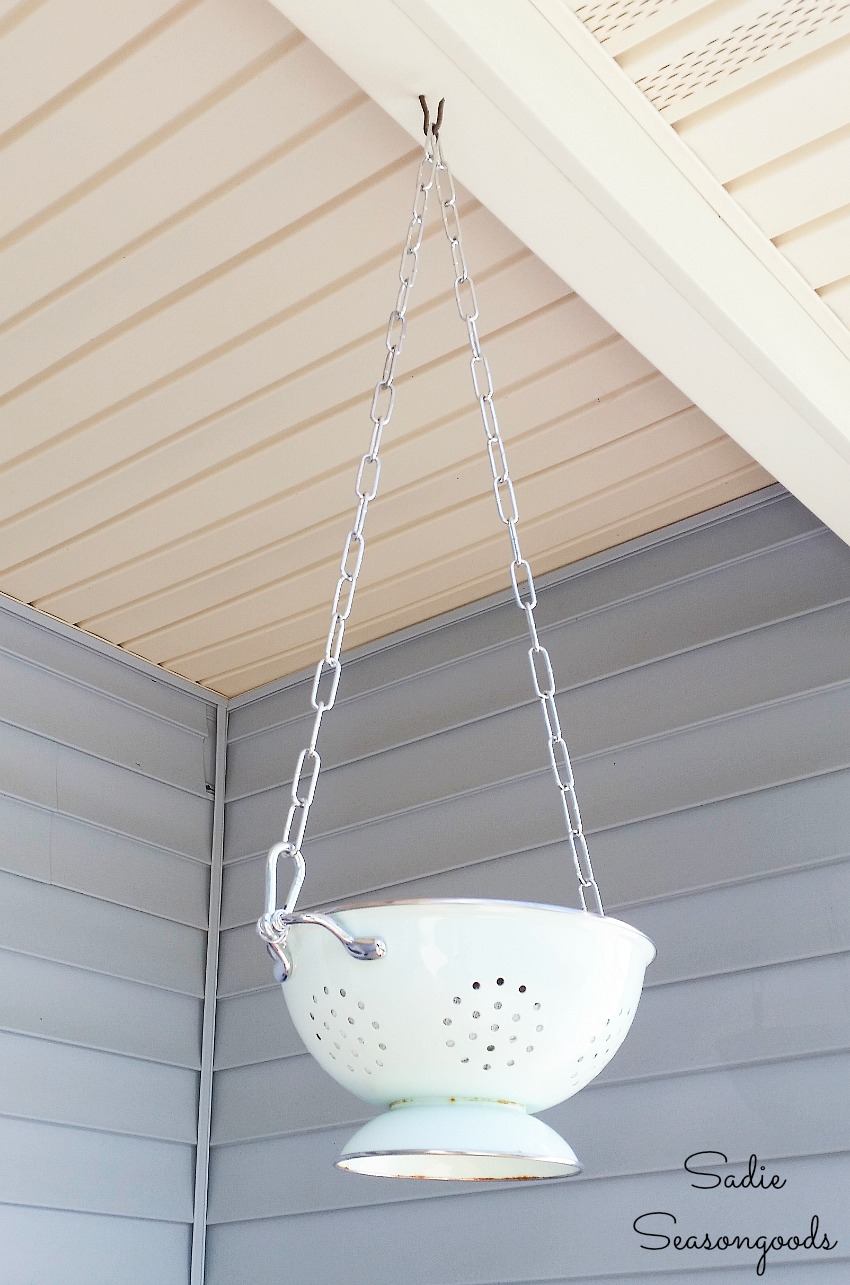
(427, 127)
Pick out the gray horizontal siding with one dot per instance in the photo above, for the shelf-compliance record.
(706, 694)
(77, 784)
(90, 1090)
(774, 525)
(71, 1005)
(104, 882)
(800, 737)
(606, 643)
(793, 826)
(103, 863)
(62, 1168)
(452, 762)
(90, 1249)
(76, 928)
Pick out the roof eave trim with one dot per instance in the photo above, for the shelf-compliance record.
(537, 134)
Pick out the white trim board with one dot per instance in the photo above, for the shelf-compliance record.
(536, 132)
(205, 1086)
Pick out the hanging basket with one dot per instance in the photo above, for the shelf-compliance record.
(461, 1017)
(475, 1014)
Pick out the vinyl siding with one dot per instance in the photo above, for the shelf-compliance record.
(106, 811)
(705, 688)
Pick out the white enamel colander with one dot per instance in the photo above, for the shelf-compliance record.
(461, 1017)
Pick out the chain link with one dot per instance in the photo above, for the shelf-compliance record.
(433, 171)
(326, 679)
(522, 581)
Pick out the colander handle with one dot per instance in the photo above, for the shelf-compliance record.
(275, 924)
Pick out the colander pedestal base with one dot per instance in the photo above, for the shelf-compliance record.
(458, 1140)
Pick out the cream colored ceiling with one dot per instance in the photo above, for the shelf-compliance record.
(760, 90)
(199, 241)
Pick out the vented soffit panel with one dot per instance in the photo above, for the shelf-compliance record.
(758, 92)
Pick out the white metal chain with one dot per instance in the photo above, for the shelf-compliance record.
(433, 170)
(326, 678)
(522, 582)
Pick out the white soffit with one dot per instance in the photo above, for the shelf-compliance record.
(195, 290)
(553, 137)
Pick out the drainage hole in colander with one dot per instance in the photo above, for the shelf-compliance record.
(360, 1004)
(327, 992)
(354, 1053)
(447, 1021)
(351, 1068)
(382, 1047)
(522, 990)
(529, 1048)
(593, 1039)
(580, 1059)
(464, 1059)
(351, 1021)
(333, 1055)
(326, 1025)
(511, 1062)
(360, 1039)
(472, 1035)
(500, 981)
(486, 1066)
(498, 1004)
(512, 1039)
(515, 1017)
(495, 1026)
(537, 1007)
(376, 1026)
(491, 1048)
(450, 1044)
(476, 1013)
(315, 1001)
(312, 1017)
(476, 986)
(538, 1029)
(318, 1036)
(333, 1012)
(338, 1047)
(456, 999)
(378, 1062)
